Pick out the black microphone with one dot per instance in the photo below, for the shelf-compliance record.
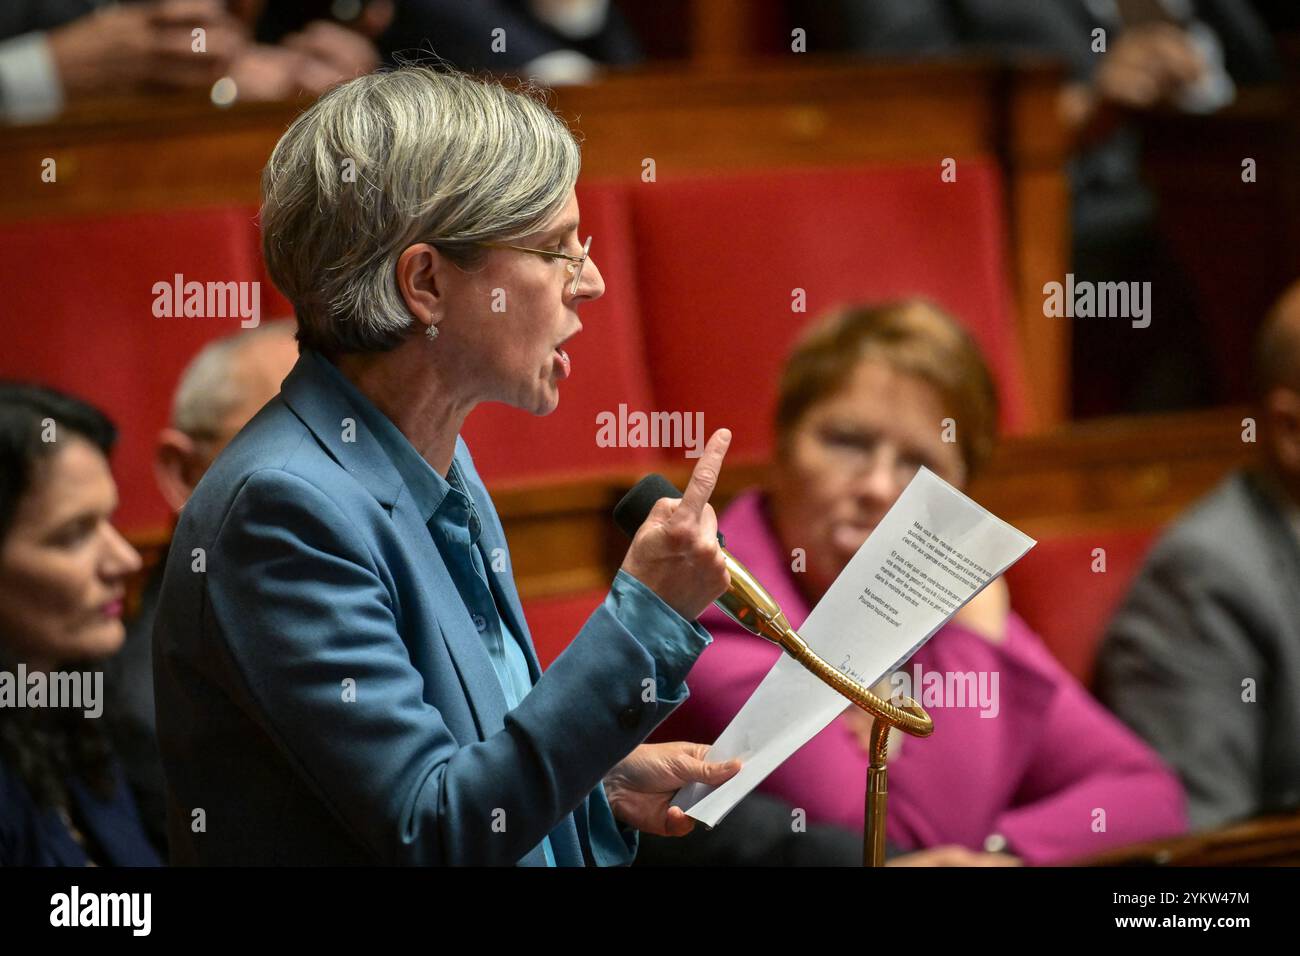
(630, 513)
(745, 601)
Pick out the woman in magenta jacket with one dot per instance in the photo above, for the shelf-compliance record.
(1028, 767)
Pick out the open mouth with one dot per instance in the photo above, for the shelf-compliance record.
(562, 361)
(849, 537)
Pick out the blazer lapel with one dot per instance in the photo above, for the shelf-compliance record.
(478, 678)
(312, 394)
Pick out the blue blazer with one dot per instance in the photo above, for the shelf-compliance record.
(323, 695)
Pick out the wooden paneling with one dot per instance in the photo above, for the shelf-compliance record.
(721, 33)
(1104, 474)
(1236, 244)
(1268, 841)
(1114, 473)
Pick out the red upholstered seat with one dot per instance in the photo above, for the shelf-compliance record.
(609, 368)
(697, 314)
(78, 315)
(718, 258)
(555, 621)
(1056, 591)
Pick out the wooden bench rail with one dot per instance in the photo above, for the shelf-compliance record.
(1106, 474)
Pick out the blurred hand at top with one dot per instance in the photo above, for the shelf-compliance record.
(139, 46)
(1148, 65)
(1144, 67)
(314, 59)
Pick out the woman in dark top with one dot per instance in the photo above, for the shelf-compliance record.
(63, 569)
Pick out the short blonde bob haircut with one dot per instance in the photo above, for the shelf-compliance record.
(912, 337)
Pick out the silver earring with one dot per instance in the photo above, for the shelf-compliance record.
(431, 331)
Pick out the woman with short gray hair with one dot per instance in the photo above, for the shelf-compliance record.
(344, 673)
(397, 158)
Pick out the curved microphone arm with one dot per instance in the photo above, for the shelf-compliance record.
(748, 604)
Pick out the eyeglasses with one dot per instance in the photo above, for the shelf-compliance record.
(858, 455)
(575, 263)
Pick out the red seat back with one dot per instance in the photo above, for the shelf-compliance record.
(1069, 604)
(555, 621)
(696, 317)
(719, 258)
(79, 316)
(609, 368)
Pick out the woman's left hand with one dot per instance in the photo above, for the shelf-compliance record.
(641, 786)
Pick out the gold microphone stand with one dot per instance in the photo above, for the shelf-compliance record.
(918, 724)
(749, 605)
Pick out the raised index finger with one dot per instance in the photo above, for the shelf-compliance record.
(705, 476)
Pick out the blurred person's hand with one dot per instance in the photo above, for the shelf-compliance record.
(330, 54)
(146, 45)
(954, 856)
(316, 58)
(264, 73)
(1146, 66)
(641, 786)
